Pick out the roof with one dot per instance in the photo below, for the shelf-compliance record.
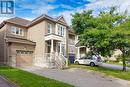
(20, 40)
(44, 16)
(27, 23)
(18, 21)
(71, 31)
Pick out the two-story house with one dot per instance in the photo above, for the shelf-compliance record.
(42, 41)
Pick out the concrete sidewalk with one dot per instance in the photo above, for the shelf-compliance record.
(5, 83)
(79, 77)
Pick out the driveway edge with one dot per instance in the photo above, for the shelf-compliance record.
(9, 82)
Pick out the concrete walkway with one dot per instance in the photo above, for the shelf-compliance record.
(5, 83)
(79, 77)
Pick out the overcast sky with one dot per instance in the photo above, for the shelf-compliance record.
(31, 9)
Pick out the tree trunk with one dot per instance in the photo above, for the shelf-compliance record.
(124, 63)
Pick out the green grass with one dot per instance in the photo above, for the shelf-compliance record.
(26, 79)
(115, 73)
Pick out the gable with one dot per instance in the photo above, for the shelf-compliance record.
(61, 19)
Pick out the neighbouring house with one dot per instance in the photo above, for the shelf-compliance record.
(83, 50)
(41, 42)
(71, 45)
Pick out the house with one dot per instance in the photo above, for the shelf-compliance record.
(71, 45)
(41, 42)
(83, 50)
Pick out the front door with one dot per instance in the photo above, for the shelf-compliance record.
(60, 48)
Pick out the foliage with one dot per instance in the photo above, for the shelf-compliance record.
(104, 33)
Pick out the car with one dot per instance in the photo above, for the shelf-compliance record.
(93, 60)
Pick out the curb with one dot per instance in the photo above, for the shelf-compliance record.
(7, 81)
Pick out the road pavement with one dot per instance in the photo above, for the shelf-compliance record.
(113, 66)
(5, 83)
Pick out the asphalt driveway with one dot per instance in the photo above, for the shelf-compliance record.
(5, 83)
(79, 77)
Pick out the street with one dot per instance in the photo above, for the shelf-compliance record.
(113, 66)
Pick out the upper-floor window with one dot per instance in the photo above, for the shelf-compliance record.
(17, 31)
(49, 28)
(60, 30)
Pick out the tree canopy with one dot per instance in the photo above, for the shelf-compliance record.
(103, 33)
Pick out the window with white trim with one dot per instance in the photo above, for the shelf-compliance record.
(63, 31)
(49, 28)
(60, 30)
(17, 31)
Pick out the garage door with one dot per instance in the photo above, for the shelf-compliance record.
(24, 58)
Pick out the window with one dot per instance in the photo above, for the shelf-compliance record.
(60, 30)
(17, 31)
(49, 28)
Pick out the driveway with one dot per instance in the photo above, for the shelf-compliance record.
(79, 77)
(5, 83)
(113, 66)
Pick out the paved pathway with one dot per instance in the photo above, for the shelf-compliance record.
(79, 77)
(5, 83)
(113, 66)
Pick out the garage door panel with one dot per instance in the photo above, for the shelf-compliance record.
(24, 59)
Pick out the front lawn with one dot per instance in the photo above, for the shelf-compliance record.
(115, 73)
(26, 79)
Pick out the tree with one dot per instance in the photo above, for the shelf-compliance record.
(104, 33)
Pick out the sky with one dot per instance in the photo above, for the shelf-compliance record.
(30, 9)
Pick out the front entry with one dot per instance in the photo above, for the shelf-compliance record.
(55, 47)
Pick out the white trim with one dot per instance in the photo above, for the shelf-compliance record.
(52, 48)
(78, 54)
(49, 24)
(60, 30)
(14, 30)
